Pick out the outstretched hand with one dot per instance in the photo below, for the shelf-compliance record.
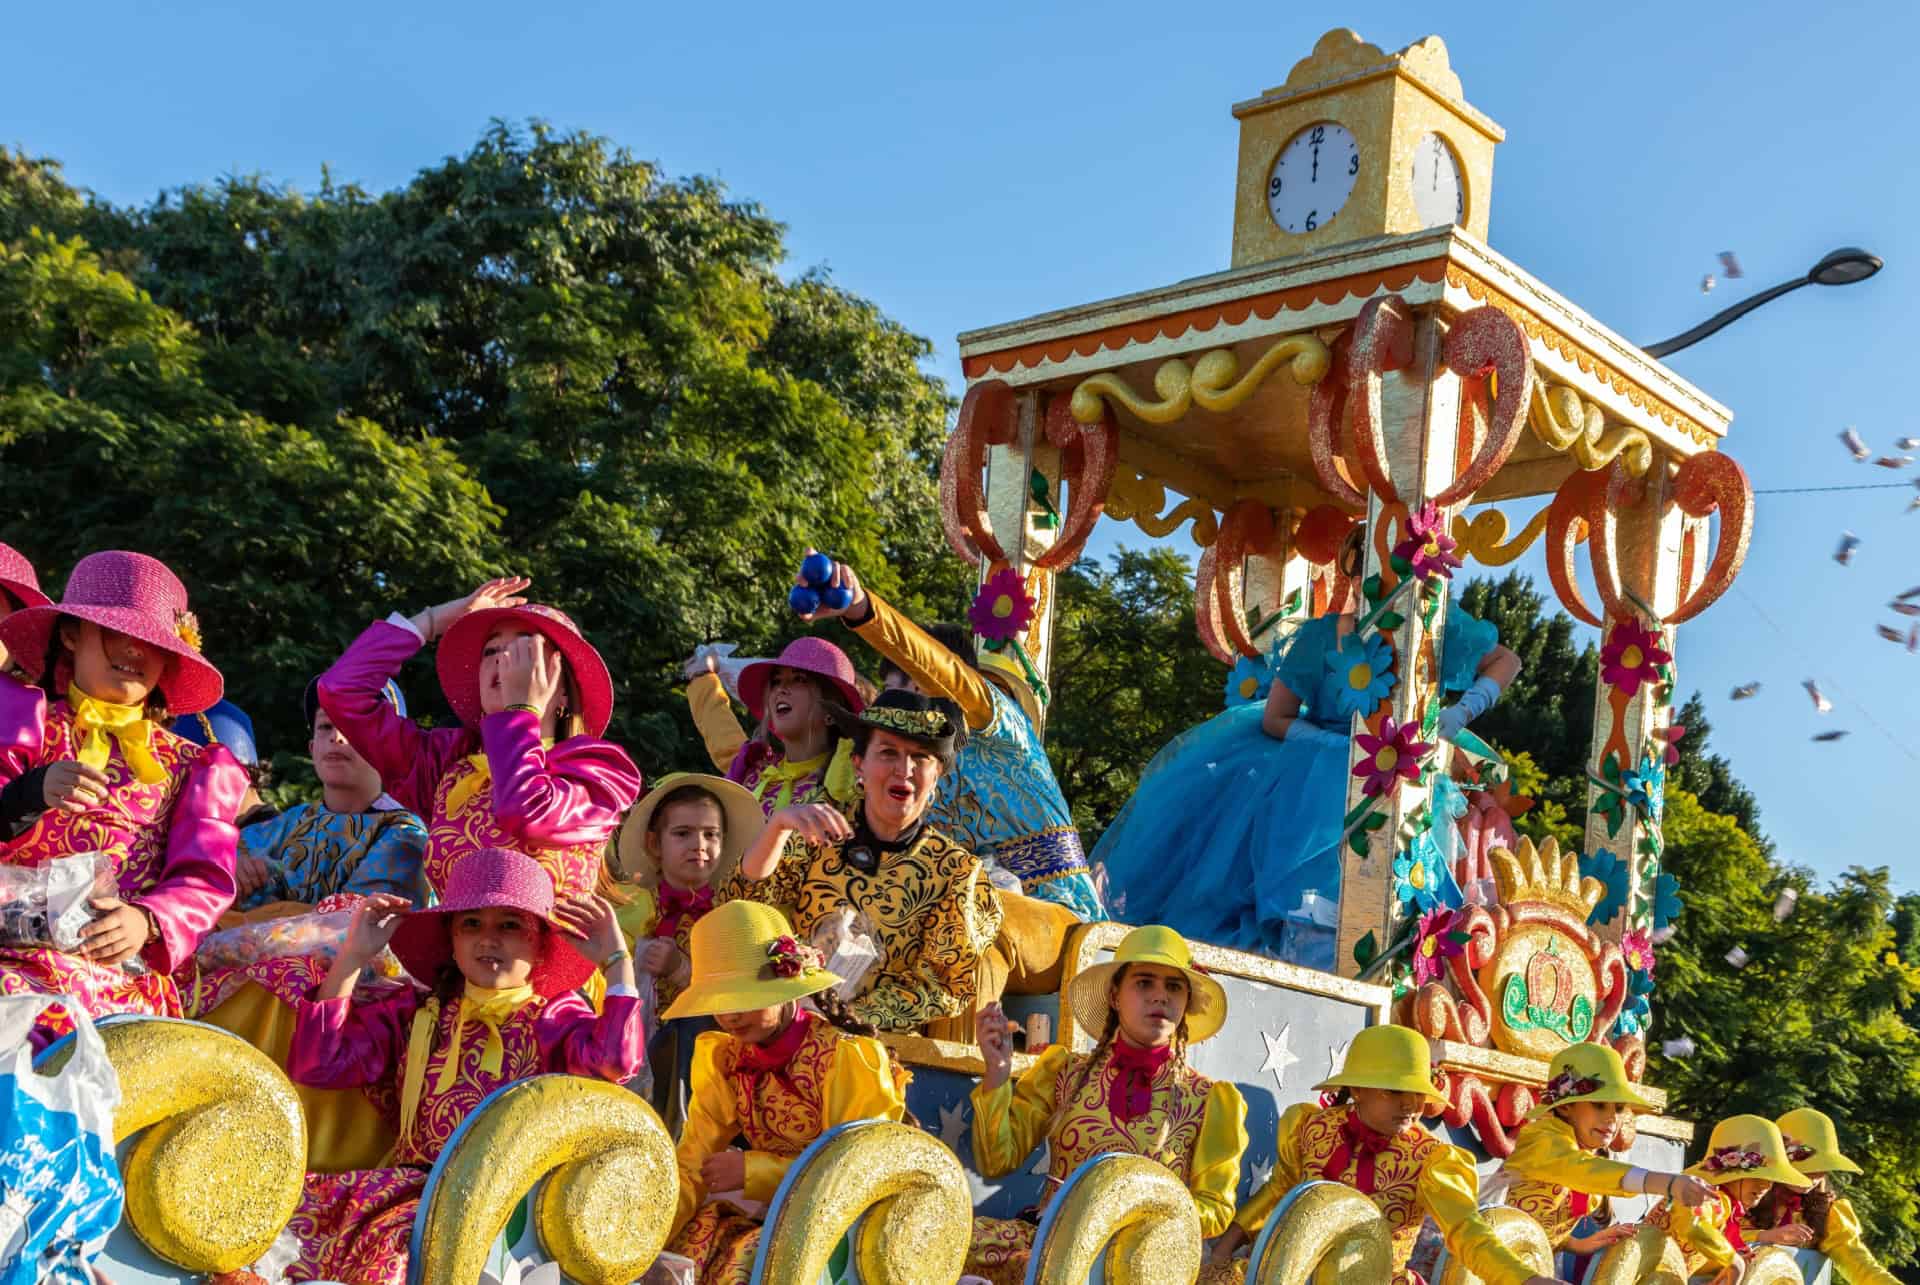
(591, 918)
(502, 591)
(374, 923)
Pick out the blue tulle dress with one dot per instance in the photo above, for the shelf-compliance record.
(1229, 826)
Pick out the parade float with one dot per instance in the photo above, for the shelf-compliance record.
(1366, 358)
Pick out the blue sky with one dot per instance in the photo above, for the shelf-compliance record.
(978, 164)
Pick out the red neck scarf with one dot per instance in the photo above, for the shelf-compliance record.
(676, 903)
(1356, 1141)
(757, 1061)
(1130, 1096)
(1734, 1238)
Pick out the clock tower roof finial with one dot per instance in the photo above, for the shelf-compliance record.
(1341, 57)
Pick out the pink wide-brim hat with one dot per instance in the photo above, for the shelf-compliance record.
(813, 655)
(17, 578)
(458, 660)
(492, 879)
(132, 594)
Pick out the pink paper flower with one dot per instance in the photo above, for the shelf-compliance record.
(1672, 737)
(1433, 946)
(1632, 656)
(1003, 608)
(1428, 549)
(1637, 946)
(1391, 757)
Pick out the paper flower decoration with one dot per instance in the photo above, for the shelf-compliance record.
(1666, 902)
(1364, 667)
(1632, 656)
(1646, 787)
(1003, 608)
(1567, 1085)
(1635, 1015)
(1638, 951)
(186, 627)
(1671, 736)
(784, 958)
(1436, 943)
(1428, 549)
(1391, 757)
(1734, 1159)
(1614, 874)
(1416, 878)
(1249, 681)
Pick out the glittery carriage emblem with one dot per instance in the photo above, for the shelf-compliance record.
(911, 722)
(788, 958)
(1733, 1159)
(1568, 1085)
(1797, 1150)
(186, 627)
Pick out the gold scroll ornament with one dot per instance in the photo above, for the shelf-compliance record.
(1213, 383)
(1650, 1257)
(1520, 1234)
(1323, 1233)
(1126, 1212)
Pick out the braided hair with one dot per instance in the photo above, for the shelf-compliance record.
(1103, 1053)
(834, 1010)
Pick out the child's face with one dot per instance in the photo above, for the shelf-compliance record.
(1151, 999)
(755, 1025)
(1748, 1191)
(1389, 1112)
(686, 839)
(1595, 1124)
(496, 948)
(795, 708)
(337, 764)
(112, 666)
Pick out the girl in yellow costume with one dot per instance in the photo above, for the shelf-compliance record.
(1560, 1172)
(1134, 1093)
(1822, 1218)
(1745, 1158)
(774, 1073)
(1374, 1142)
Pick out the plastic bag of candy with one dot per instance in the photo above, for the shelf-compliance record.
(317, 935)
(50, 905)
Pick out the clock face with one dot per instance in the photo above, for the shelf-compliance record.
(1439, 197)
(1312, 177)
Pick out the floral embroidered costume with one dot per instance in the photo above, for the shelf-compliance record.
(1146, 1102)
(431, 1061)
(492, 781)
(166, 827)
(1813, 1146)
(1742, 1148)
(1409, 1176)
(779, 1096)
(769, 774)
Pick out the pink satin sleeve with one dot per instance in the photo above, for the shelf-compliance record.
(196, 884)
(338, 1044)
(23, 727)
(610, 1046)
(571, 794)
(410, 761)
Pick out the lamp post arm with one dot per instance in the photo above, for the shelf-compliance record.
(1725, 317)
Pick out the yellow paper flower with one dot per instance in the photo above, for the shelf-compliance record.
(186, 626)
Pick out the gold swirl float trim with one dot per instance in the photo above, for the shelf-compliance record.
(1323, 1233)
(604, 1212)
(1483, 537)
(1650, 1258)
(1137, 498)
(900, 1191)
(1519, 1233)
(1773, 1265)
(1568, 423)
(1214, 383)
(1127, 1213)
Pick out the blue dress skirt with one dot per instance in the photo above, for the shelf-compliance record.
(1229, 826)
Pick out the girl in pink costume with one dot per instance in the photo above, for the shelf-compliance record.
(505, 966)
(85, 755)
(526, 769)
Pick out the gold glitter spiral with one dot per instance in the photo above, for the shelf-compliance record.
(604, 1212)
(1325, 1233)
(1130, 1212)
(1650, 1258)
(903, 1188)
(1772, 1265)
(1519, 1233)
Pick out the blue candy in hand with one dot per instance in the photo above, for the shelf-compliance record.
(803, 600)
(817, 569)
(839, 598)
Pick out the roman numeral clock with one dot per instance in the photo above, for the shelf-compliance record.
(1360, 143)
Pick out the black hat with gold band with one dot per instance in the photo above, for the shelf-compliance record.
(932, 721)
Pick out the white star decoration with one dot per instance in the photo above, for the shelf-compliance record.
(1337, 1058)
(1279, 1056)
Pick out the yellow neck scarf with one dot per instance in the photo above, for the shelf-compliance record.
(98, 724)
(481, 778)
(489, 1008)
(786, 774)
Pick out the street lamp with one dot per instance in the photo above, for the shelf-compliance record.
(1843, 267)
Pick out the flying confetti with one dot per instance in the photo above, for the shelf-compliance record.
(1905, 608)
(1913, 640)
(1682, 1047)
(1707, 284)
(1730, 266)
(1851, 437)
(1894, 461)
(1745, 691)
(1737, 957)
(1891, 634)
(1907, 444)
(1848, 543)
(1909, 594)
(1783, 904)
(1821, 705)
(1829, 736)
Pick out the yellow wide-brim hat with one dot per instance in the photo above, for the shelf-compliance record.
(1748, 1146)
(1588, 1073)
(1396, 1059)
(1150, 944)
(1015, 682)
(738, 807)
(1813, 1144)
(741, 960)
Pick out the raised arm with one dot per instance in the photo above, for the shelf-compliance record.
(574, 793)
(1010, 1119)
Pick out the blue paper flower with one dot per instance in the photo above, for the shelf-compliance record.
(1364, 673)
(1249, 681)
(1666, 901)
(1634, 1017)
(1614, 873)
(1417, 879)
(1646, 787)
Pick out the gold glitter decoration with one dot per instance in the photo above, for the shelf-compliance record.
(1519, 1233)
(1128, 1210)
(604, 1213)
(1326, 1234)
(1214, 383)
(1567, 422)
(1650, 1258)
(1772, 1265)
(215, 1173)
(1483, 537)
(903, 1187)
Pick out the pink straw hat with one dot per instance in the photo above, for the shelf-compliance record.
(812, 655)
(493, 879)
(18, 579)
(132, 594)
(458, 660)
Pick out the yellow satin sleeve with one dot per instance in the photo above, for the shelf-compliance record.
(937, 670)
(1216, 1157)
(714, 719)
(1547, 1151)
(861, 1086)
(638, 915)
(1008, 1122)
(1449, 1188)
(1702, 1231)
(1286, 1170)
(1850, 1255)
(712, 1123)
